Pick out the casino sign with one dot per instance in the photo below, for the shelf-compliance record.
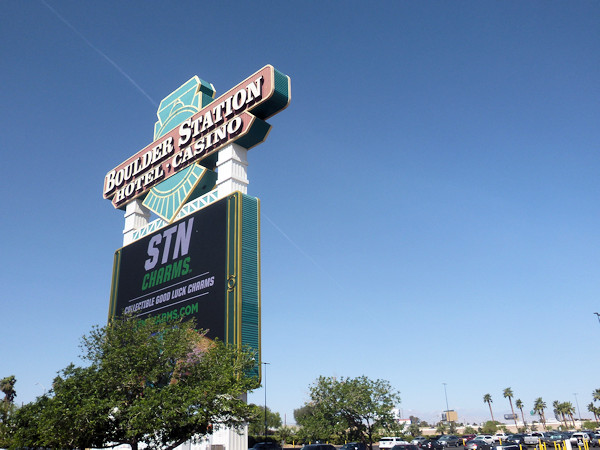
(201, 258)
(193, 126)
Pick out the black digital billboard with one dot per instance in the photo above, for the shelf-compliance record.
(205, 265)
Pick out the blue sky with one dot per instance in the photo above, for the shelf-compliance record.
(429, 198)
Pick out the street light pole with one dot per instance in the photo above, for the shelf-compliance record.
(446, 395)
(577, 403)
(265, 384)
(597, 315)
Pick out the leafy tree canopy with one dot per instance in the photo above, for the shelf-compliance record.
(414, 430)
(348, 409)
(490, 427)
(256, 426)
(146, 382)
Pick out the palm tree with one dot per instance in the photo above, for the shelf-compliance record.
(569, 410)
(7, 386)
(487, 398)
(593, 410)
(508, 393)
(596, 394)
(519, 404)
(559, 408)
(538, 406)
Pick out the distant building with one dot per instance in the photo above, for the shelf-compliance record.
(398, 418)
(450, 416)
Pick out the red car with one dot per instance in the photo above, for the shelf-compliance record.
(466, 438)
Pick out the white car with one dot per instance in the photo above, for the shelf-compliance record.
(487, 438)
(533, 438)
(577, 438)
(500, 437)
(389, 442)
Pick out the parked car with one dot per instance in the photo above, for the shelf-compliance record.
(507, 447)
(517, 438)
(579, 438)
(478, 444)
(354, 446)
(553, 436)
(533, 438)
(500, 437)
(466, 438)
(593, 437)
(388, 442)
(485, 437)
(417, 440)
(266, 446)
(405, 447)
(426, 444)
(446, 441)
(318, 447)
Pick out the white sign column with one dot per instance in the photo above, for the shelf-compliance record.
(232, 170)
(136, 217)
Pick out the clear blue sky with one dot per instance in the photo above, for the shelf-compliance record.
(430, 197)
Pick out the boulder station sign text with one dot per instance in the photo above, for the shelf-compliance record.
(236, 116)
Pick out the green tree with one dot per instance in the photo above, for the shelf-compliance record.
(591, 408)
(312, 427)
(349, 409)
(487, 398)
(441, 428)
(7, 408)
(7, 386)
(285, 434)
(414, 430)
(25, 425)
(452, 428)
(539, 406)
(508, 393)
(469, 430)
(490, 427)
(559, 409)
(588, 425)
(595, 397)
(569, 410)
(147, 383)
(256, 425)
(519, 404)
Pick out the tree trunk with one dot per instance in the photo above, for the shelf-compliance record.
(491, 413)
(513, 413)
